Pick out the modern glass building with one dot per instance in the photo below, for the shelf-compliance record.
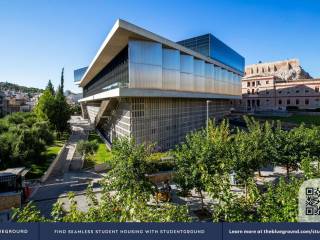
(143, 86)
(210, 46)
(78, 74)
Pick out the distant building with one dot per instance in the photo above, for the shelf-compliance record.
(279, 85)
(143, 86)
(17, 104)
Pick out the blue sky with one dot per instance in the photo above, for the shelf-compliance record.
(39, 37)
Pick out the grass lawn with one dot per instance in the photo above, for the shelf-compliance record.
(298, 119)
(102, 155)
(38, 169)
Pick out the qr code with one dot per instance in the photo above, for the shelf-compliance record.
(312, 201)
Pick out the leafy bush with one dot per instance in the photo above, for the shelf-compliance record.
(23, 139)
(87, 147)
(160, 161)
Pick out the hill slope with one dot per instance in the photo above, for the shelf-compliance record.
(15, 87)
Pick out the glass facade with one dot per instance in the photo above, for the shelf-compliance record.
(212, 47)
(78, 73)
(116, 72)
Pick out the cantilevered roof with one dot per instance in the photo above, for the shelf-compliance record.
(118, 38)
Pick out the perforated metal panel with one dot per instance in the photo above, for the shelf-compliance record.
(199, 75)
(153, 66)
(145, 64)
(171, 59)
(145, 52)
(145, 76)
(209, 77)
(186, 63)
(171, 69)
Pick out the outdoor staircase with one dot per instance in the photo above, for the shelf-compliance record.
(106, 110)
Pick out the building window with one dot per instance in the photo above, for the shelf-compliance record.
(248, 91)
(267, 82)
(249, 103)
(280, 102)
(258, 82)
(252, 91)
(280, 92)
(297, 101)
(253, 84)
(317, 89)
(307, 90)
(248, 84)
(267, 92)
(288, 92)
(297, 91)
(258, 103)
(306, 101)
(267, 100)
(288, 101)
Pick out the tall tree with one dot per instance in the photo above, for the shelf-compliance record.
(201, 157)
(50, 87)
(263, 148)
(129, 169)
(62, 81)
(62, 112)
(45, 106)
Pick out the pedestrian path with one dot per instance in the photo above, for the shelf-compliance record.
(69, 159)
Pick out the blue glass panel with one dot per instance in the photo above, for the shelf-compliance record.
(210, 46)
(221, 52)
(78, 73)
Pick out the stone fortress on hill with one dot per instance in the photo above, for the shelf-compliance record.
(279, 85)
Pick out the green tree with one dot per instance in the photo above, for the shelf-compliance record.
(62, 112)
(192, 158)
(203, 156)
(45, 108)
(280, 202)
(295, 145)
(50, 88)
(54, 108)
(61, 89)
(24, 140)
(245, 161)
(233, 207)
(263, 150)
(129, 169)
(6, 140)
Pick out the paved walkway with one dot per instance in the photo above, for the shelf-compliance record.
(69, 159)
(67, 174)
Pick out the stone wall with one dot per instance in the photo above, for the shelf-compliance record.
(10, 200)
